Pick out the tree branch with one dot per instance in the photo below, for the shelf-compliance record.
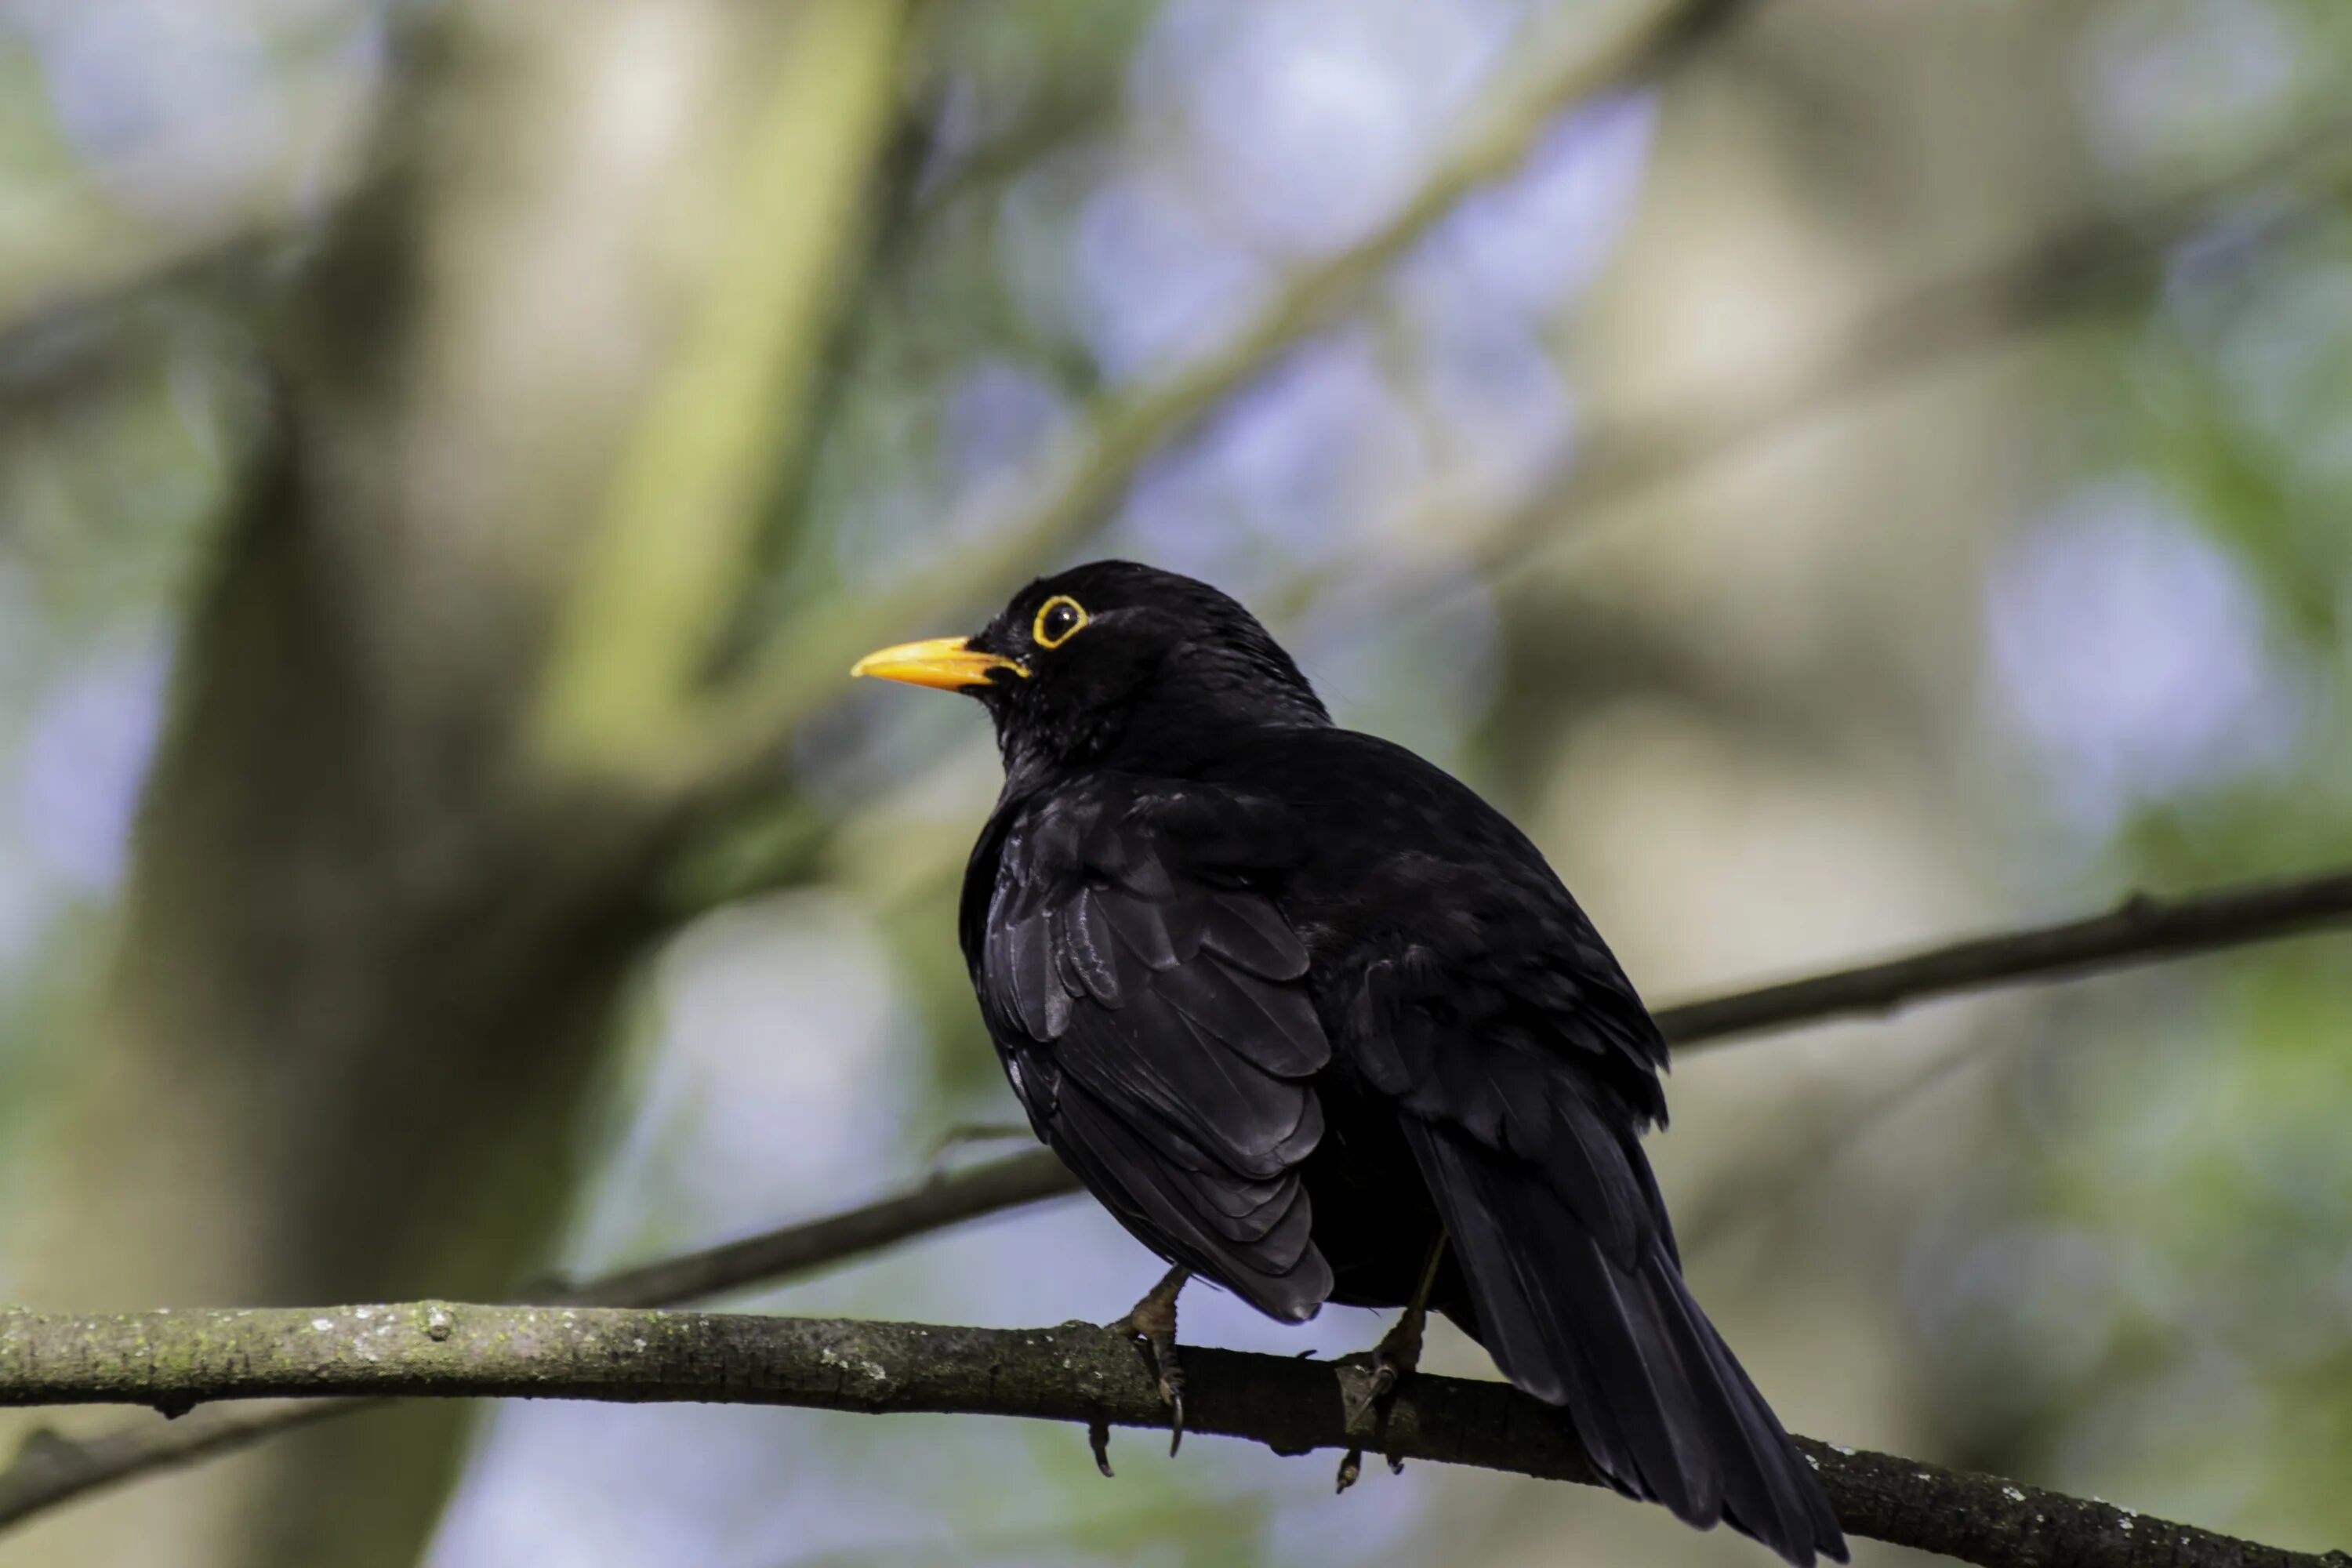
(1028, 1177)
(1076, 1373)
(54, 1470)
(2141, 930)
(51, 1470)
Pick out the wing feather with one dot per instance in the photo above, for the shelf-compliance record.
(1150, 1005)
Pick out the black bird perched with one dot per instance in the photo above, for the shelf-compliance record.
(1315, 1022)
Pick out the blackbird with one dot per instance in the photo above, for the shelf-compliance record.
(1317, 1023)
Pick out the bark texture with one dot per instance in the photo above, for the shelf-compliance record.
(1076, 1373)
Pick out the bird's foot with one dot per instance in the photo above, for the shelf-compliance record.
(1391, 1360)
(1394, 1359)
(1153, 1321)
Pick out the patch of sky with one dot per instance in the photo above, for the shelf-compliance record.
(2181, 80)
(776, 1075)
(1158, 280)
(82, 761)
(1308, 461)
(174, 107)
(1311, 121)
(2132, 653)
(1536, 240)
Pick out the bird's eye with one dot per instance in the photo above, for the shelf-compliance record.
(1058, 620)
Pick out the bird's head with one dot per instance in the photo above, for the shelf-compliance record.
(1111, 659)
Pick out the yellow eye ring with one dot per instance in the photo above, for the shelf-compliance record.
(1058, 620)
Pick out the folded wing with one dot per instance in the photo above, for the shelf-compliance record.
(1149, 1000)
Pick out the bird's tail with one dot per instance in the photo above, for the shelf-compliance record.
(1610, 1333)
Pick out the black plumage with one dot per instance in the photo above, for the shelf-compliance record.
(1291, 1001)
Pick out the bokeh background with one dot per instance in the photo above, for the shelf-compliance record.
(1883, 475)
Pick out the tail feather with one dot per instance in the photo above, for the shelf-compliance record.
(1660, 1405)
(1770, 1491)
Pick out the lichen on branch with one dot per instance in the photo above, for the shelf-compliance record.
(1076, 1373)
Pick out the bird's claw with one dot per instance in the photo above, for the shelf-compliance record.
(1390, 1362)
(1169, 1368)
(1380, 1388)
(1171, 1389)
(1153, 1321)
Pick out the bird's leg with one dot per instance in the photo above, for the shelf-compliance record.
(1399, 1351)
(1153, 1321)
(1394, 1359)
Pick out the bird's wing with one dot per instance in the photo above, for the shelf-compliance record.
(1147, 997)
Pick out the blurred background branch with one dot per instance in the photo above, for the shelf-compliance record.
(664, 566)
(2290, 190)
(2142, 930)
(787, 684)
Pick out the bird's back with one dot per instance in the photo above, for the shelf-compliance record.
(1396, 859)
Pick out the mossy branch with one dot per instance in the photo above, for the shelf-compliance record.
(1077, 1372)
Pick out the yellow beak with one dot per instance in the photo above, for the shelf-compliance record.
(944, 663)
